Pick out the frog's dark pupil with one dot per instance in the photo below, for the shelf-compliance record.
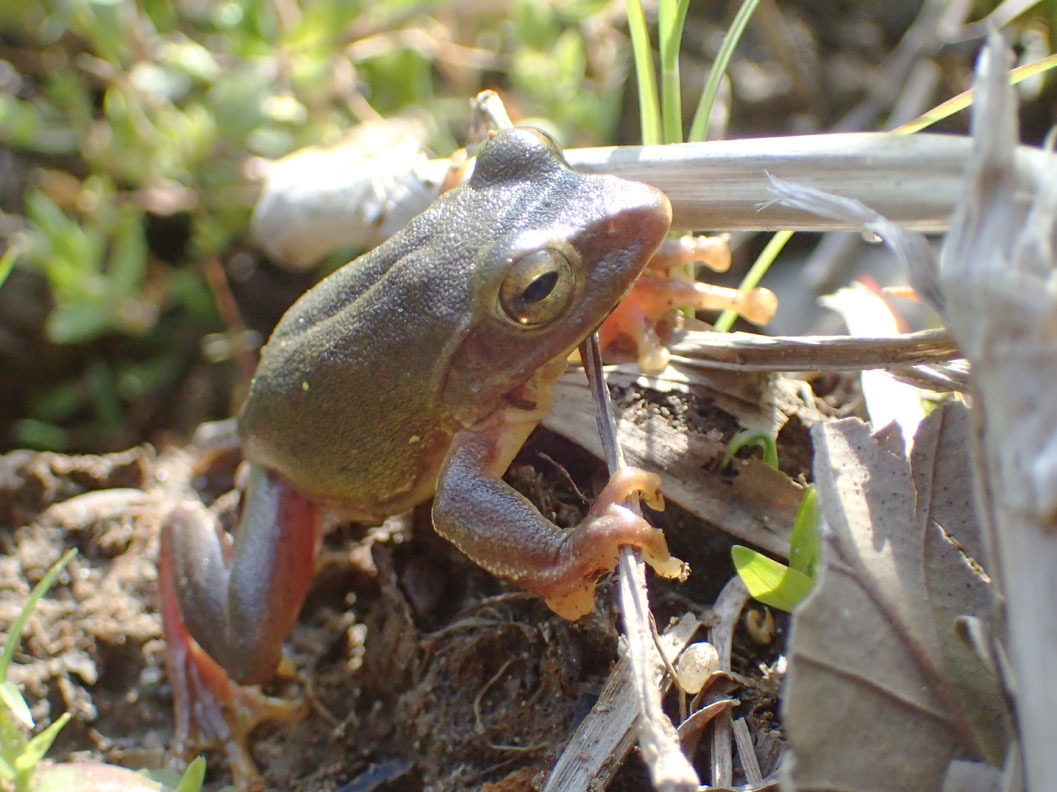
(540, 287)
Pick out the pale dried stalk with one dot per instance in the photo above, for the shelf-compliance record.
(998, 273)
(721, 185)
(996, 287)
(726, 610)
(752, 352)
(670, 770)
(914, 180)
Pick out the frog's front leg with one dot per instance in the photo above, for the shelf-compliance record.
(228, 605)
(501, 531)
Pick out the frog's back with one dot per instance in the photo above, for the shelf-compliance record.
(344, 400)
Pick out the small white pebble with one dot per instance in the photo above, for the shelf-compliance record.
(696, 665)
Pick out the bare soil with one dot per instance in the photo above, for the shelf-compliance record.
(421, 670)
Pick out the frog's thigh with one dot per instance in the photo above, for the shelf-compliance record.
(239, 602)
(500, 530)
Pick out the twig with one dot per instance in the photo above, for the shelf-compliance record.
(746, 753)
(604, 737)
(670, 770)
(721, 635)
(751, 352)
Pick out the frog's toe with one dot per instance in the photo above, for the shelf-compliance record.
(630, 481)
(214, 711)
(574, 604)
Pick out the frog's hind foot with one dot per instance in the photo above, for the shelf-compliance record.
(211, 709)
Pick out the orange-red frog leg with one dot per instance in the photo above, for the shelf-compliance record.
(240, 607)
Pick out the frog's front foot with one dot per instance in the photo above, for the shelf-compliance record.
(593, 546)
(227, 606)
(501, 531)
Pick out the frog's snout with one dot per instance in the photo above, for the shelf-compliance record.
(656, 213)
(640, 217)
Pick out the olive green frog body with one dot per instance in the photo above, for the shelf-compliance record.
(370, 374)
(416, 370)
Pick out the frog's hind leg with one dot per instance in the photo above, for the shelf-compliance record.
(227, 606)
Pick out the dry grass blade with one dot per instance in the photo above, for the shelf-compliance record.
(751, 352)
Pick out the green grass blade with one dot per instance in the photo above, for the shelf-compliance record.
(39, 591)
(965, 98)
(671, 16)
(649, 107)
(699, 127)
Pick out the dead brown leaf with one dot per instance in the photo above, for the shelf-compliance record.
(876, 691)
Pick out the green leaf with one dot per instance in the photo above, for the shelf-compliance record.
(33, 433)
(768, 581)
(78, 322)
(7, 263)
(194, 777)
(39, 745)
(102, 384)
(68, 254)
(6, 770)
(803, 546)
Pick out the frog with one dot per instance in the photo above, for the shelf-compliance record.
(417, 371)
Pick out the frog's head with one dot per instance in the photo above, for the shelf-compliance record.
(556, 251)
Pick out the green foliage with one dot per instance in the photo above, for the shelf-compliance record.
(130, 112)
(774, 583)
(95, 271)
(20, 755)
(804, 544)
(574, 95)
(769, 581)
(752, 437)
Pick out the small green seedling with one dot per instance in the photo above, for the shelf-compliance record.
(20, 755)
(774, 583)
(752, 437)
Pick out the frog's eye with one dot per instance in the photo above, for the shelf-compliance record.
(537, 287)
